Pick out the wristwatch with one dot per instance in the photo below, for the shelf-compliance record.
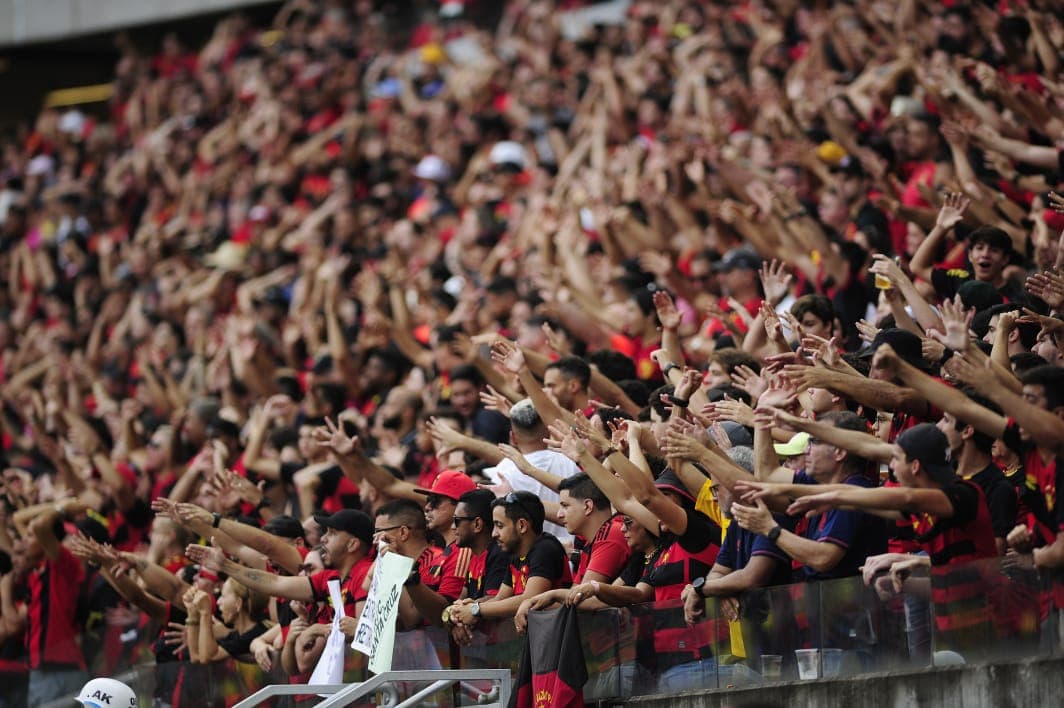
(669, 367)
(698, 583)
(474, 609)
(446, 617)
(774, 533)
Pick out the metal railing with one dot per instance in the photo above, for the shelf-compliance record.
(346, 694)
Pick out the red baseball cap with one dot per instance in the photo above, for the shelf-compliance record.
(452, 484)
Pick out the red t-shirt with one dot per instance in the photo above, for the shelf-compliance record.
(53, 633)
(448, 575)
(351, 589)
(634, 349)
(607, 553)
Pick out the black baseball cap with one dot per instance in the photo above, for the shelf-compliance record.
(354, 522)
(980, 295)
(738, 258)
(929, 445)
(284, 526)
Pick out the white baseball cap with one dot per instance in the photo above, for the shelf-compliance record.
(507, 152)
(107, 693)
(433, 167)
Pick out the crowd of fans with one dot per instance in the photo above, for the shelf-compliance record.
(673, 303)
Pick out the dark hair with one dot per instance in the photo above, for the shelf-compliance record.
(655, 403)
(479, 502)
(467, 372)
(609, 415)
(612, 364)
(405, 512)
(445, 334)
(983, 442)
(819, 305)
(728, 390)
(848, 420)
(443, 412)
(1024, 361)
(523, 505)
(573, 367)
(731, 358)
(636, 390)
(581, 486)
(1051, 379)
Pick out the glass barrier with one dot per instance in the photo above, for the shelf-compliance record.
(988, 611)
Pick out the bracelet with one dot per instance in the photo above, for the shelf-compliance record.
(217, 520)
(192, 624)
(774, 533)
(609, 451)
(796, 214)
(669, 367)
(946, 356)
(678, 402)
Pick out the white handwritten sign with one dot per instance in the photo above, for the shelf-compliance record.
(375, 634)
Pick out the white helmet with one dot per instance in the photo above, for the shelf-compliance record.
(107, 693)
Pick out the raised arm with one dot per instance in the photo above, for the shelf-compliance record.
(356, 466)
(939, 394)
(572, 445)
(290, 587)
(949, 215)
(881, 395)
(861, 444)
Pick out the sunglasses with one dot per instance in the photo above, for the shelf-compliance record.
(388, 528)
(513, 499)
(460, 519)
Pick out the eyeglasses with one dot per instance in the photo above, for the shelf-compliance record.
(460, 519)
(388, 528)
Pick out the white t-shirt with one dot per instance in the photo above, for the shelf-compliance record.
(547, 460)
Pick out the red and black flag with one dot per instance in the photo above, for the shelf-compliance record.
(552, 672)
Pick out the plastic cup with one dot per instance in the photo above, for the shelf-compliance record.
(808, 663)
(882, 282)
(771, 667)
(832, 662)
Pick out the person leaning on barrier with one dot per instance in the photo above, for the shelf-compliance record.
(538, 561)
(603, 551)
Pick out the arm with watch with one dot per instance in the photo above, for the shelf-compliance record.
(251, 546)
(821, 556)
(505, 604)
(673, 374)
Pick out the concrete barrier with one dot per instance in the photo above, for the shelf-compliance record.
(25, 21)
(1035, 682)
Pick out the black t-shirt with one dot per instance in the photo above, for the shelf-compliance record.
(239, 645)
(685, 557)
(546, 559)
(1000, 498)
